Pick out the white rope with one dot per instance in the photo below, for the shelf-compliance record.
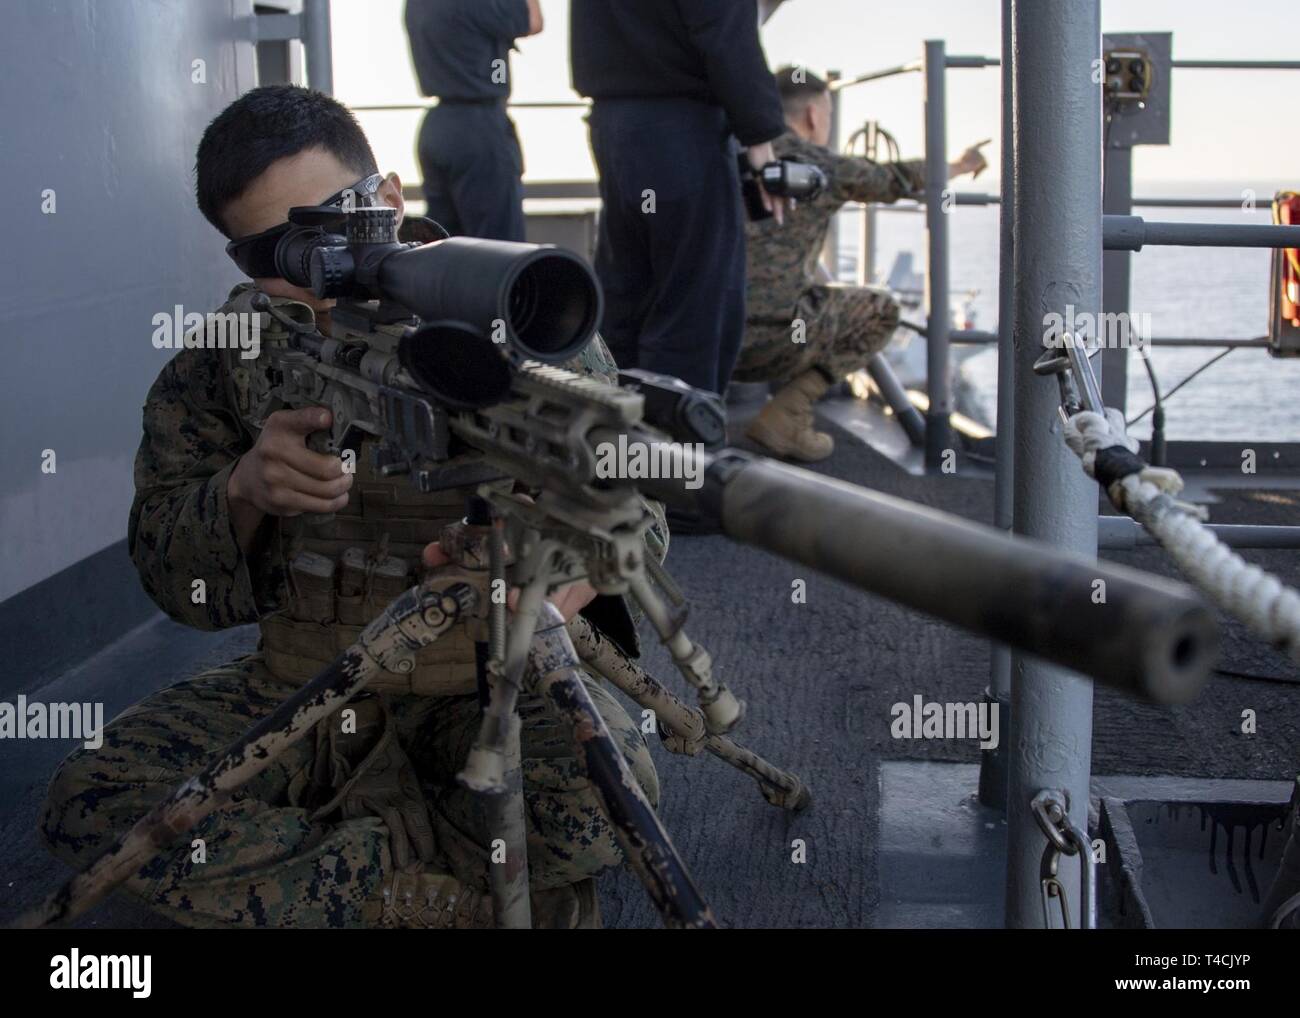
(1260, 600)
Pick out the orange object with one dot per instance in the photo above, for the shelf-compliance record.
(1286, 212)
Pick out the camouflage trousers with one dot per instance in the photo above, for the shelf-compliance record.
(843, 328)
(268, 862)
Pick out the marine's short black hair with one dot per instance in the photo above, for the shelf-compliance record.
(266, 124)
(798, 86)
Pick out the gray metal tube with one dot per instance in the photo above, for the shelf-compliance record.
(1131, 233)
(1120, 532)
(1239, 65)
(978, 198)
(976, 336)
(1057, 224)
(888, 72)
(831, 245)
(938, 439)
(1221, 65)
(1117, 198)
(993, 762)
(316, 43)
(869, 244)
(891, 389)
(971, 62)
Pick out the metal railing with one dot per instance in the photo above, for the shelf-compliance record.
(1043, 491)
(1119, 233)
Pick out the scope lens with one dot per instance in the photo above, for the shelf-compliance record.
(553, 305)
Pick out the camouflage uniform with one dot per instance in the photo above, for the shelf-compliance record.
(282, 852)
(843, 325)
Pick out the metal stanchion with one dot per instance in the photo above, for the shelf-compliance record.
(1057, 250)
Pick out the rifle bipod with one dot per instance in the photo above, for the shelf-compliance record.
(537, 655)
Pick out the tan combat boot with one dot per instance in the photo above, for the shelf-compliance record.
(784, 427)
(427, 900)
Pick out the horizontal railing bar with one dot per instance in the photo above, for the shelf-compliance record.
(1119, 532)
(1132, 233)
(888, 72)
(1239, 65)
(1255, 342)
(979, 337)
(561, 190)
(1203, 65)
(546, 104)
(979, 198)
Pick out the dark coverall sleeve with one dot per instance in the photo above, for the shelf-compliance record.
(500, 19)
(726, 34)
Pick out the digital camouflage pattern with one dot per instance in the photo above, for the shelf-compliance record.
(271, 858)
(843, 326)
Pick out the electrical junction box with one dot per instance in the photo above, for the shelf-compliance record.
(1136, 71)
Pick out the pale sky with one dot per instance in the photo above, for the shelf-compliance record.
(1223, 128)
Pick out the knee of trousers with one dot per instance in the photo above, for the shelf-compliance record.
(629, 739)
(71, 823)
(878, 309)
(570, 838)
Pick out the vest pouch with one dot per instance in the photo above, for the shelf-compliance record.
(312, 579)
(367, 586)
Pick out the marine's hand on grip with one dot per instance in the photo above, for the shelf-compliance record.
(280, 476)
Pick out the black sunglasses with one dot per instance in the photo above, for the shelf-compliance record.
(255, 254)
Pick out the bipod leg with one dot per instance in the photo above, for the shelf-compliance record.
(683, 727)
(556, 674)
(722, 711)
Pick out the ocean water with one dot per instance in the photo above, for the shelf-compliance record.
(1219, 293)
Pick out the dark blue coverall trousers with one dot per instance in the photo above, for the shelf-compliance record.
(472, 164)
(671, 249)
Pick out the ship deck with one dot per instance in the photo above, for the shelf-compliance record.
(893, 837)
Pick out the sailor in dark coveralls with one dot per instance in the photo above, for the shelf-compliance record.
(469, 152)
(671, 83)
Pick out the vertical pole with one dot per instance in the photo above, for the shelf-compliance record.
(869, 213)
(993, 762)
(867, 249)
(1057, 254)
(831, 248)
(937, 435)
(316, 41)
(1117, 198)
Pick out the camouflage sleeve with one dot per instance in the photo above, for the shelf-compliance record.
(854, 178)
(180, 531)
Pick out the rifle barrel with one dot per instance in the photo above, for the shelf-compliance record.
(1151, 637)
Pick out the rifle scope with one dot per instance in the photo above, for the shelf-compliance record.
(531, 301)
